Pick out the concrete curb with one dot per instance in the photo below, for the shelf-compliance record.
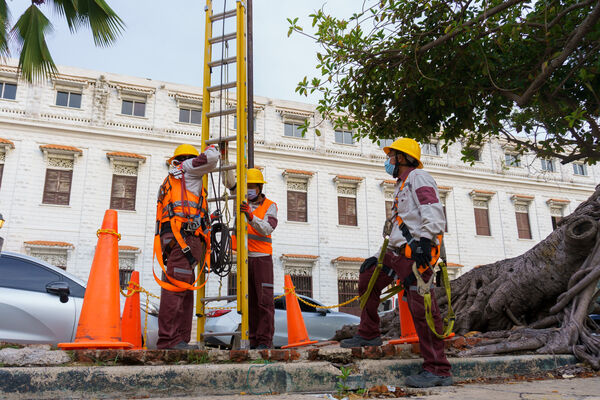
(223, 379)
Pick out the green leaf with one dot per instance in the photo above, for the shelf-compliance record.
(317, 132)
(30, 32)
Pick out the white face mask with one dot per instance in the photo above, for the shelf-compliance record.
(252, 194)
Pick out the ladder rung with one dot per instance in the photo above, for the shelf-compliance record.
(224, 61)
(228, 85)
(224, 38)
(219, 113)
(205, 335)
(221, 140)
(220, 16)
(217, 298)
(213, 199)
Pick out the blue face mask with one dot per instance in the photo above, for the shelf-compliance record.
(389, 167)
(252, 194)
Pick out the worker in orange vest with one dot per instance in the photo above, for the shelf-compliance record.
(417, 225)
(183, 231)
(261, 214)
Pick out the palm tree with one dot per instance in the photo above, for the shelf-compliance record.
(35, 61)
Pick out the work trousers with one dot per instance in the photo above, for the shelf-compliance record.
(260, 301)
(432, 348)
(177, 308)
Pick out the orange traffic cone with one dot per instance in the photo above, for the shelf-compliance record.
(408, 333)
(99, 323)
(131, 326)
(297, 335)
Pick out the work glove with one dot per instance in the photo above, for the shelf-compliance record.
(245, 208)
(421, 252)
(367, 264)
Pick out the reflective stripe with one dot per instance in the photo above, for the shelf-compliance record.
(259, 238)
(185, 203)
(183, 271)
(267, 285)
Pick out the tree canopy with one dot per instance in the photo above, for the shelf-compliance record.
(468, 71)
(31, 28)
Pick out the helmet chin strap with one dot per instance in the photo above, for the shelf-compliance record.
(398, 165)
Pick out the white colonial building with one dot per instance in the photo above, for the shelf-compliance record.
(72, 147)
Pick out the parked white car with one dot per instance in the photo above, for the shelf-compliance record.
(41, 303)
(321, 324)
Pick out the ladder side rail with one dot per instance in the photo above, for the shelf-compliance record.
(242, 163)
(201, 293)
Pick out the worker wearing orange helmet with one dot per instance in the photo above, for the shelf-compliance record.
(183, 231)
(261, 214)
(417, 225)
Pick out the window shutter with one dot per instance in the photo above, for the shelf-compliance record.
(232, 284)
(555, 221)
(123, 192)
(445, 218)
(347, 289)
(341, 208)
(523, 228)
(296, 206)
(1, 173)
(57, 188)
(347, 211)
(482, 223)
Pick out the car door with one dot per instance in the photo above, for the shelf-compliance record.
(29, 313)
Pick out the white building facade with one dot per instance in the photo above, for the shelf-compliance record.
(72, 147)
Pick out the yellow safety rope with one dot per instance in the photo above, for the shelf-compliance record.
(138, 289)
(109, 231)
(424, 289)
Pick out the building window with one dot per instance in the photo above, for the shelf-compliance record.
(443, 191)
(232, 284)
(296, 206)
(473, 152)
(303, 284)
(555, 220)
(133, 107)
(431, 149)
(1, 172)
(127, 260)
(292, 129)
(557, 210)
(523, 228)
(190, 116)
(579, 169)
(389, 204)
(344, 137)
(123, 191)
(347, 289)
(512, 160)
(68, 99)
(297, 189)
(385, 143)
(57, 188)
(235, 122)
(347, 211)
(347, 187)
(481, 201)
(9, 90)
(547, 165)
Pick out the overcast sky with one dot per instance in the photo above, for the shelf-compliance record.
(164, 40)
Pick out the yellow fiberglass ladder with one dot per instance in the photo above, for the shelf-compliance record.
(217, 87)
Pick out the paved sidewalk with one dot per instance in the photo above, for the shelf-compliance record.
(557, 389)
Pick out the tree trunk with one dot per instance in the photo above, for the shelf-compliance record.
(528, 297)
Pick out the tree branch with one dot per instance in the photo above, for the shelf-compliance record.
(587, 24)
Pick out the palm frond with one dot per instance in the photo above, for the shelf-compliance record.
(35, 62)
(68, 10)
(4, 16)
(105, 24)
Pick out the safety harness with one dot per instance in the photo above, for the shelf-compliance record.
(423, 288)
(184, 214)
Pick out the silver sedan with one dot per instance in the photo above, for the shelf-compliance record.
(321, 323)
(40, 303)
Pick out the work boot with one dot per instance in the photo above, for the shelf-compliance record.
(183, 346)
(359, 341)
(425, 379)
